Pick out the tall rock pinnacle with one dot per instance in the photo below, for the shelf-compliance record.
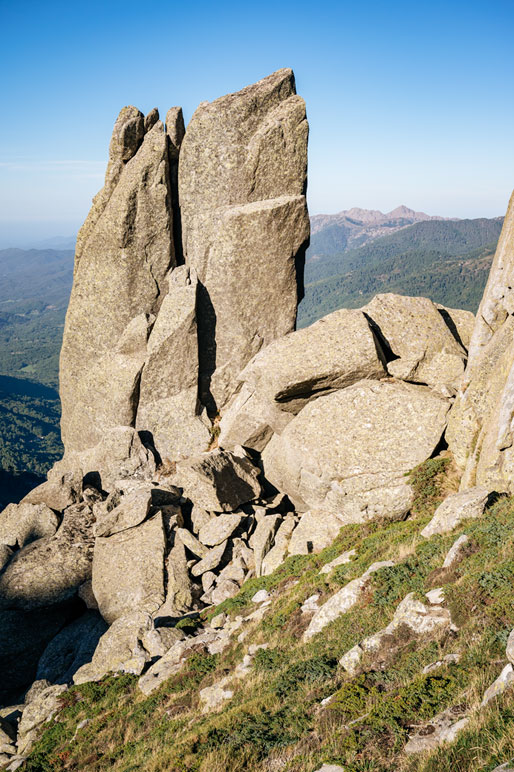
(242, 182)
(481, 428)
(124, 252)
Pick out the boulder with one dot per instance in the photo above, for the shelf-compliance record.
(242, 174)
(37, 712)
(510, 647)
(262, 538)
(456, 551)
(460, 323)
(456, 508)
(218, 529)
(278, 552)
(342, 601)
(504, 681)
(226, 588)
(316, 530)
(348, 453)
(210, 561)
(102, 355)
(422, 344)
(219, 481)
(58, 492)
(335, 352)
(346, 557)
(480, 431)
(128, 570)
(178, 590)
(23, 523)
(412, 614)
(133, 509)
(71, 648)
(168, 394)
(50, 570)
(441, 729)
(192, 543)
(119, 650)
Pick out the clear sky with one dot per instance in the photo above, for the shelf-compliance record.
(408, 102)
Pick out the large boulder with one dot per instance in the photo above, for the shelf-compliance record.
(335, 352)
(219, 481)
(348, 453)
(417, 335)
(168, 394)
(481, 425)
(71, 648)
(456, 508)
(128, 570)
(242, 179)
(23, 523)
(50, 570)
(124, 252)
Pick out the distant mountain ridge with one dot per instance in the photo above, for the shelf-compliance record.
(356, 227)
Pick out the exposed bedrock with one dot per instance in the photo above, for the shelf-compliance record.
(481, 425)
(245, 227)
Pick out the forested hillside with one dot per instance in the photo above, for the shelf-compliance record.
(445, 260)
(34, 292)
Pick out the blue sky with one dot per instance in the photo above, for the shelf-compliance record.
(408, 103)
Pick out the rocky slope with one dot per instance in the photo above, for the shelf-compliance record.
(254, 553)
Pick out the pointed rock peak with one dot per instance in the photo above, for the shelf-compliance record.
(280, 83)
(175, 128)
(151, 119)
(127, 134)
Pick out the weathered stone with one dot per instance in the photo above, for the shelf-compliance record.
(116, 292)
(211, 560)
(218, 481)
(178, 591)
(316, 530)
(510, 647)
(192, 543)
(262, 538)
(218, 529)
(460, 323)
(223, 590)
(504, 681)
(58, 492)
(133, 508)
(441, 729)
(23, 523)
(330, 768)
(37, 712)
(173, 661)
(335, 352)
(343, 600)
(199, 517)
(70, 649)
(128, 570)
(5, 555)
(208, 580)
(348, 452)
(157, 641)
(168, 394)
(346, 557)
(261, 596)
(480, 432)
(235, 571)
(242, 174)
(278, 552)
(120, 649)
(50, 570)
(151, 119)
(416, 333)
(456, 551)
(119, 455)
(412, 614)
(456, 508)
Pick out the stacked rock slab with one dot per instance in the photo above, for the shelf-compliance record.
(242, 182)
(481, 426)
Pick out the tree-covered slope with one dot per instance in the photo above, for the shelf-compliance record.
(447, 261)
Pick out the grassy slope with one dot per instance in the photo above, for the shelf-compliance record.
(275, 720)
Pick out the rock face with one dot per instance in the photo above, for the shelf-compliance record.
(417, 334)
(335, 352)
(242, 173)
(168, 395)
(480, 432)
(348, 452)
(124, 252)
